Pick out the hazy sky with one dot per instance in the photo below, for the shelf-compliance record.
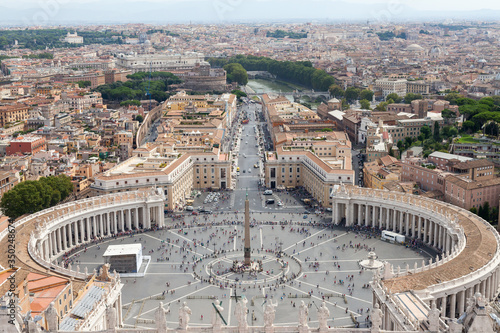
(419, 4)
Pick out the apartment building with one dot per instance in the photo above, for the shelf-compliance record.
(303, 166)
(483, 148)
(96, 79)
(464, 182)
(382, 171)
(8, 180)
(162, 167)
(418, 87)
(13, 113)
(27, 144)
(391, 86)
(160, 62)
(81, 100)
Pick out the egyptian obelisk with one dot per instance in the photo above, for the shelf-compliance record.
(247, 231)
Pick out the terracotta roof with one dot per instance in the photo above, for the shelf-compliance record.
(472, 184)
(473, 164)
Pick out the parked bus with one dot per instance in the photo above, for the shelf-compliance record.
(392, 237)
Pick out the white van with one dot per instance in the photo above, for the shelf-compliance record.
(189, 208)
(268, 192)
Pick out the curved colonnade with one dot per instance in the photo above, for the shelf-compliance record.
(469, 247)
(59, 229)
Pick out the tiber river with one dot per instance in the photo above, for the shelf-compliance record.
(269, 86)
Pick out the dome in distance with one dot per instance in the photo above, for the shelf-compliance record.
(414, 47)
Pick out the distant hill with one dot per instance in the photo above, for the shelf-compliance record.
(219, 11)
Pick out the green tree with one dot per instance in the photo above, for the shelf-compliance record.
(469, 126)
(473, 210)
(139, 118)
(32, 196)
(365, 104)
(83, 84)
(411, 97)
(236, 73)
(239, 94)
(366, 94)
(395, 97)
(408, 142)
(491, 128)
(426, 132)
(400, 145)
(436, 135)
(446, 113)
(130, 102)
(382, 106)
(452, 97)
(351, 94)
(336, 91)
(484, 211)
(345, 105)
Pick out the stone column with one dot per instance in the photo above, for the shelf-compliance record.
(366, 213)
(46, 251)
(453, 301)
(461, 302)
(129, 219)
(101, 225)
(487, 287)
(82, 235)
(148, 217)
(54, 247)
(334, 212)
(426, 230)
(64, 237)
(49, 246)
(434, 234)
(133, 219)
(413, 225)
(419, 231)
(58, 240)
(161, 216)
(87, 220)
(407, 226)
(387, 217)
(443, 306)
(108, 223)
(94, 226)
(70, 234)
(380, 212)
(401, 220)
(439, 236)
(75, 231)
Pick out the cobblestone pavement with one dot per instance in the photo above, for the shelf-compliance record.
(328, 259)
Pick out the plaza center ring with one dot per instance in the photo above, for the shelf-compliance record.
(267, 267)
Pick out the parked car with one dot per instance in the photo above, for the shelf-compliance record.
(195, 213)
